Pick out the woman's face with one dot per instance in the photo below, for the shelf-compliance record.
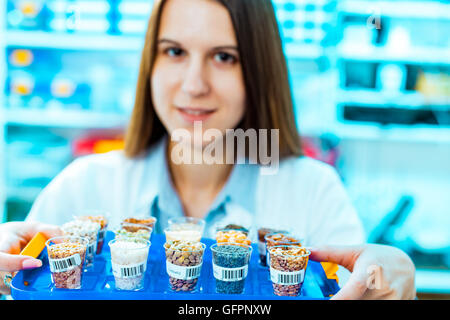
(197, 74)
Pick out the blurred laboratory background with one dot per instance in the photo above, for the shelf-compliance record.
(371, 82)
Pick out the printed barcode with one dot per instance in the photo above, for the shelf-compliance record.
(90, 249)
(229, 274)
(62, 265)
(232, 274)
(193, 273)
(182, 272)
(131, 271)
(288, 278)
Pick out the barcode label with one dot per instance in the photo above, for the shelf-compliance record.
(91, 248)
(287, 278)
(128, 271)
(230, 274)
(182, 272)
(64, 264)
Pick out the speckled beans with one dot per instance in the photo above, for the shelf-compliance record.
(184, 261)
(287, 269)
(230, 266)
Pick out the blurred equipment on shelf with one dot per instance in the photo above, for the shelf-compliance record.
(94, 144)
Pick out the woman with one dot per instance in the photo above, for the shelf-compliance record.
(219, 65)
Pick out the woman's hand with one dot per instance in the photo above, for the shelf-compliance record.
(378, 271)
(13, 238)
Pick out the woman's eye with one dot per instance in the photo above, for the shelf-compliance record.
(174, 52)
(225, 57)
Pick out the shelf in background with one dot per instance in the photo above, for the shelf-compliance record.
(65, 119)
(304, 51)
(22, 194)
(391, 133)
(413, 100)
(433, 281)
(122, 43)
(414, 55)
(75, 41)
(397, 9)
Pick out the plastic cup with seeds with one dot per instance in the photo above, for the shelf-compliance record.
(85, 229)
(262, 232)
(66, 256)
(232, 236)
(184, 260)
(230, 266)
(233, 226)
(185, 228)
(287, 269)
(99, 217)
(278, 239)
(133, 231)
(129, 263)
(182, 234)
(146, 221)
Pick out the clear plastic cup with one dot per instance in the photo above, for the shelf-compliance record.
(278, 239)
(287, 269)
(230, 266)
(182, 234)
(233, 226)
(184, 260)
(188, 224)
(85, 229)
(143, 220)
(262, 232)
(129, 263)
(66, 256)
(100, 217)
(232, 236)
(132, 231)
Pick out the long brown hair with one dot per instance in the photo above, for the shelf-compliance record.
(269, 97)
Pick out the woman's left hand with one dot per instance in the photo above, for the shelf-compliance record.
(378, 271)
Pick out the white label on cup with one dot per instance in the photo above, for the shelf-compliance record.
(287, 278)
(183, 272)
(64, 264)
(128, 270)
(230, 274)
(262, 247)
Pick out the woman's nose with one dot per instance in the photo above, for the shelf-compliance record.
(195, 82)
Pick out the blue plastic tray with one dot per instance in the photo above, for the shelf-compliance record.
(98, 283)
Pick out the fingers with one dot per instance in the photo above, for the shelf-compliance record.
(354, 289)
(49, 231)
(29, 230)
(345, 256)
(11, 263)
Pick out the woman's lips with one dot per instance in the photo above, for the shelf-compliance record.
(195, 114)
